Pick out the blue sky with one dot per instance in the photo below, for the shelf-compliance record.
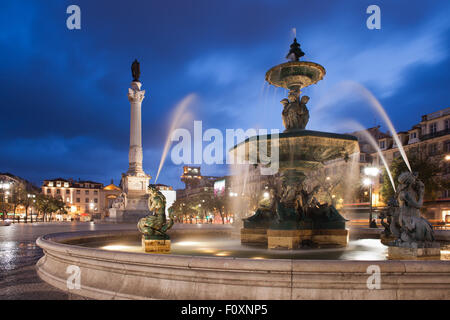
(64, 105)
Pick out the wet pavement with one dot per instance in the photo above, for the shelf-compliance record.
(19, 254)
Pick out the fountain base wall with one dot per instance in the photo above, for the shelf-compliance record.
(127, 275)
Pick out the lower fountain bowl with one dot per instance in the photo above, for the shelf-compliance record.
(111, 274)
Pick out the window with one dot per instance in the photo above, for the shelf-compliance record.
(362, 157)
(78, 200)
(432, 149)
(78, 191)
(447, 146)
(432, 128)
(49, 191)
(447, 168)
(413, 135)
(86, 192)
(382, 144)
(86, 200)
(95, 200)
(446, 193)
(66, 184)
(447, 124)
(58, 184)
(50, 184)
(95, 192)
(58, 191)
(67, 191)
(396, 154)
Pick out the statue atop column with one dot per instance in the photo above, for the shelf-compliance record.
(135, 70)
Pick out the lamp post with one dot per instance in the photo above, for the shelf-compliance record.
(370, 172)
(5, 187)
(30, 197)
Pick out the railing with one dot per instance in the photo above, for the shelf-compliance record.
(435, 134)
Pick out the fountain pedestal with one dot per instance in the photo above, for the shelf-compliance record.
(254, 236)
(284, 239)
(156, 245)
(335, 237)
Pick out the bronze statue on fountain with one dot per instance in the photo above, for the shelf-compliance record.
(407, 233)
(290, 206)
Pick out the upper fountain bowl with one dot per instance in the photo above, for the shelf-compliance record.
(295, 74)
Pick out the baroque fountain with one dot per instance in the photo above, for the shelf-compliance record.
(294, 215)
(161, 260)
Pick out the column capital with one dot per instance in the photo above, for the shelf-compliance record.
(135, 94)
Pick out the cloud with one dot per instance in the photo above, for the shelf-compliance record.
(64, 107)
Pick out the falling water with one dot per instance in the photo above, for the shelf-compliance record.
(352, 176)
(374, 144)
(178, 118)
(379, 108)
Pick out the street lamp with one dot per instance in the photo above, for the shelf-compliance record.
(367, 181)
(447, 157)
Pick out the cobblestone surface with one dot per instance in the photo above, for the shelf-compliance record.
(19, 254)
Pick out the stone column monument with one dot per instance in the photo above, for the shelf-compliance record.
(132, 204)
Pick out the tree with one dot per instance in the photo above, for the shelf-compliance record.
(182, 209)
(428, 170)
(47, 205)
(58, 206)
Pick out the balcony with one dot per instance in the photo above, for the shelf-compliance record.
(435, 134)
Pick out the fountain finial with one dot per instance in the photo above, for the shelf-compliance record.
(295, 53)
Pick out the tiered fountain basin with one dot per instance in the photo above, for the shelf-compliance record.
(299, 151)
(302, 150)
(113, 266)
(295, 74)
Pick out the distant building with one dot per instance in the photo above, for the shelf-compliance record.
(12, 188)
(81, 197)
(196, 184)
(108, 195)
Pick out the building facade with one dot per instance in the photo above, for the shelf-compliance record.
(428, 139)
(82, 198)
(16, 196)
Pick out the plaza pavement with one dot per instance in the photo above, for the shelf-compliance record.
(19, 254)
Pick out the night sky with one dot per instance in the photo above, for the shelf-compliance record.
(64, 107)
